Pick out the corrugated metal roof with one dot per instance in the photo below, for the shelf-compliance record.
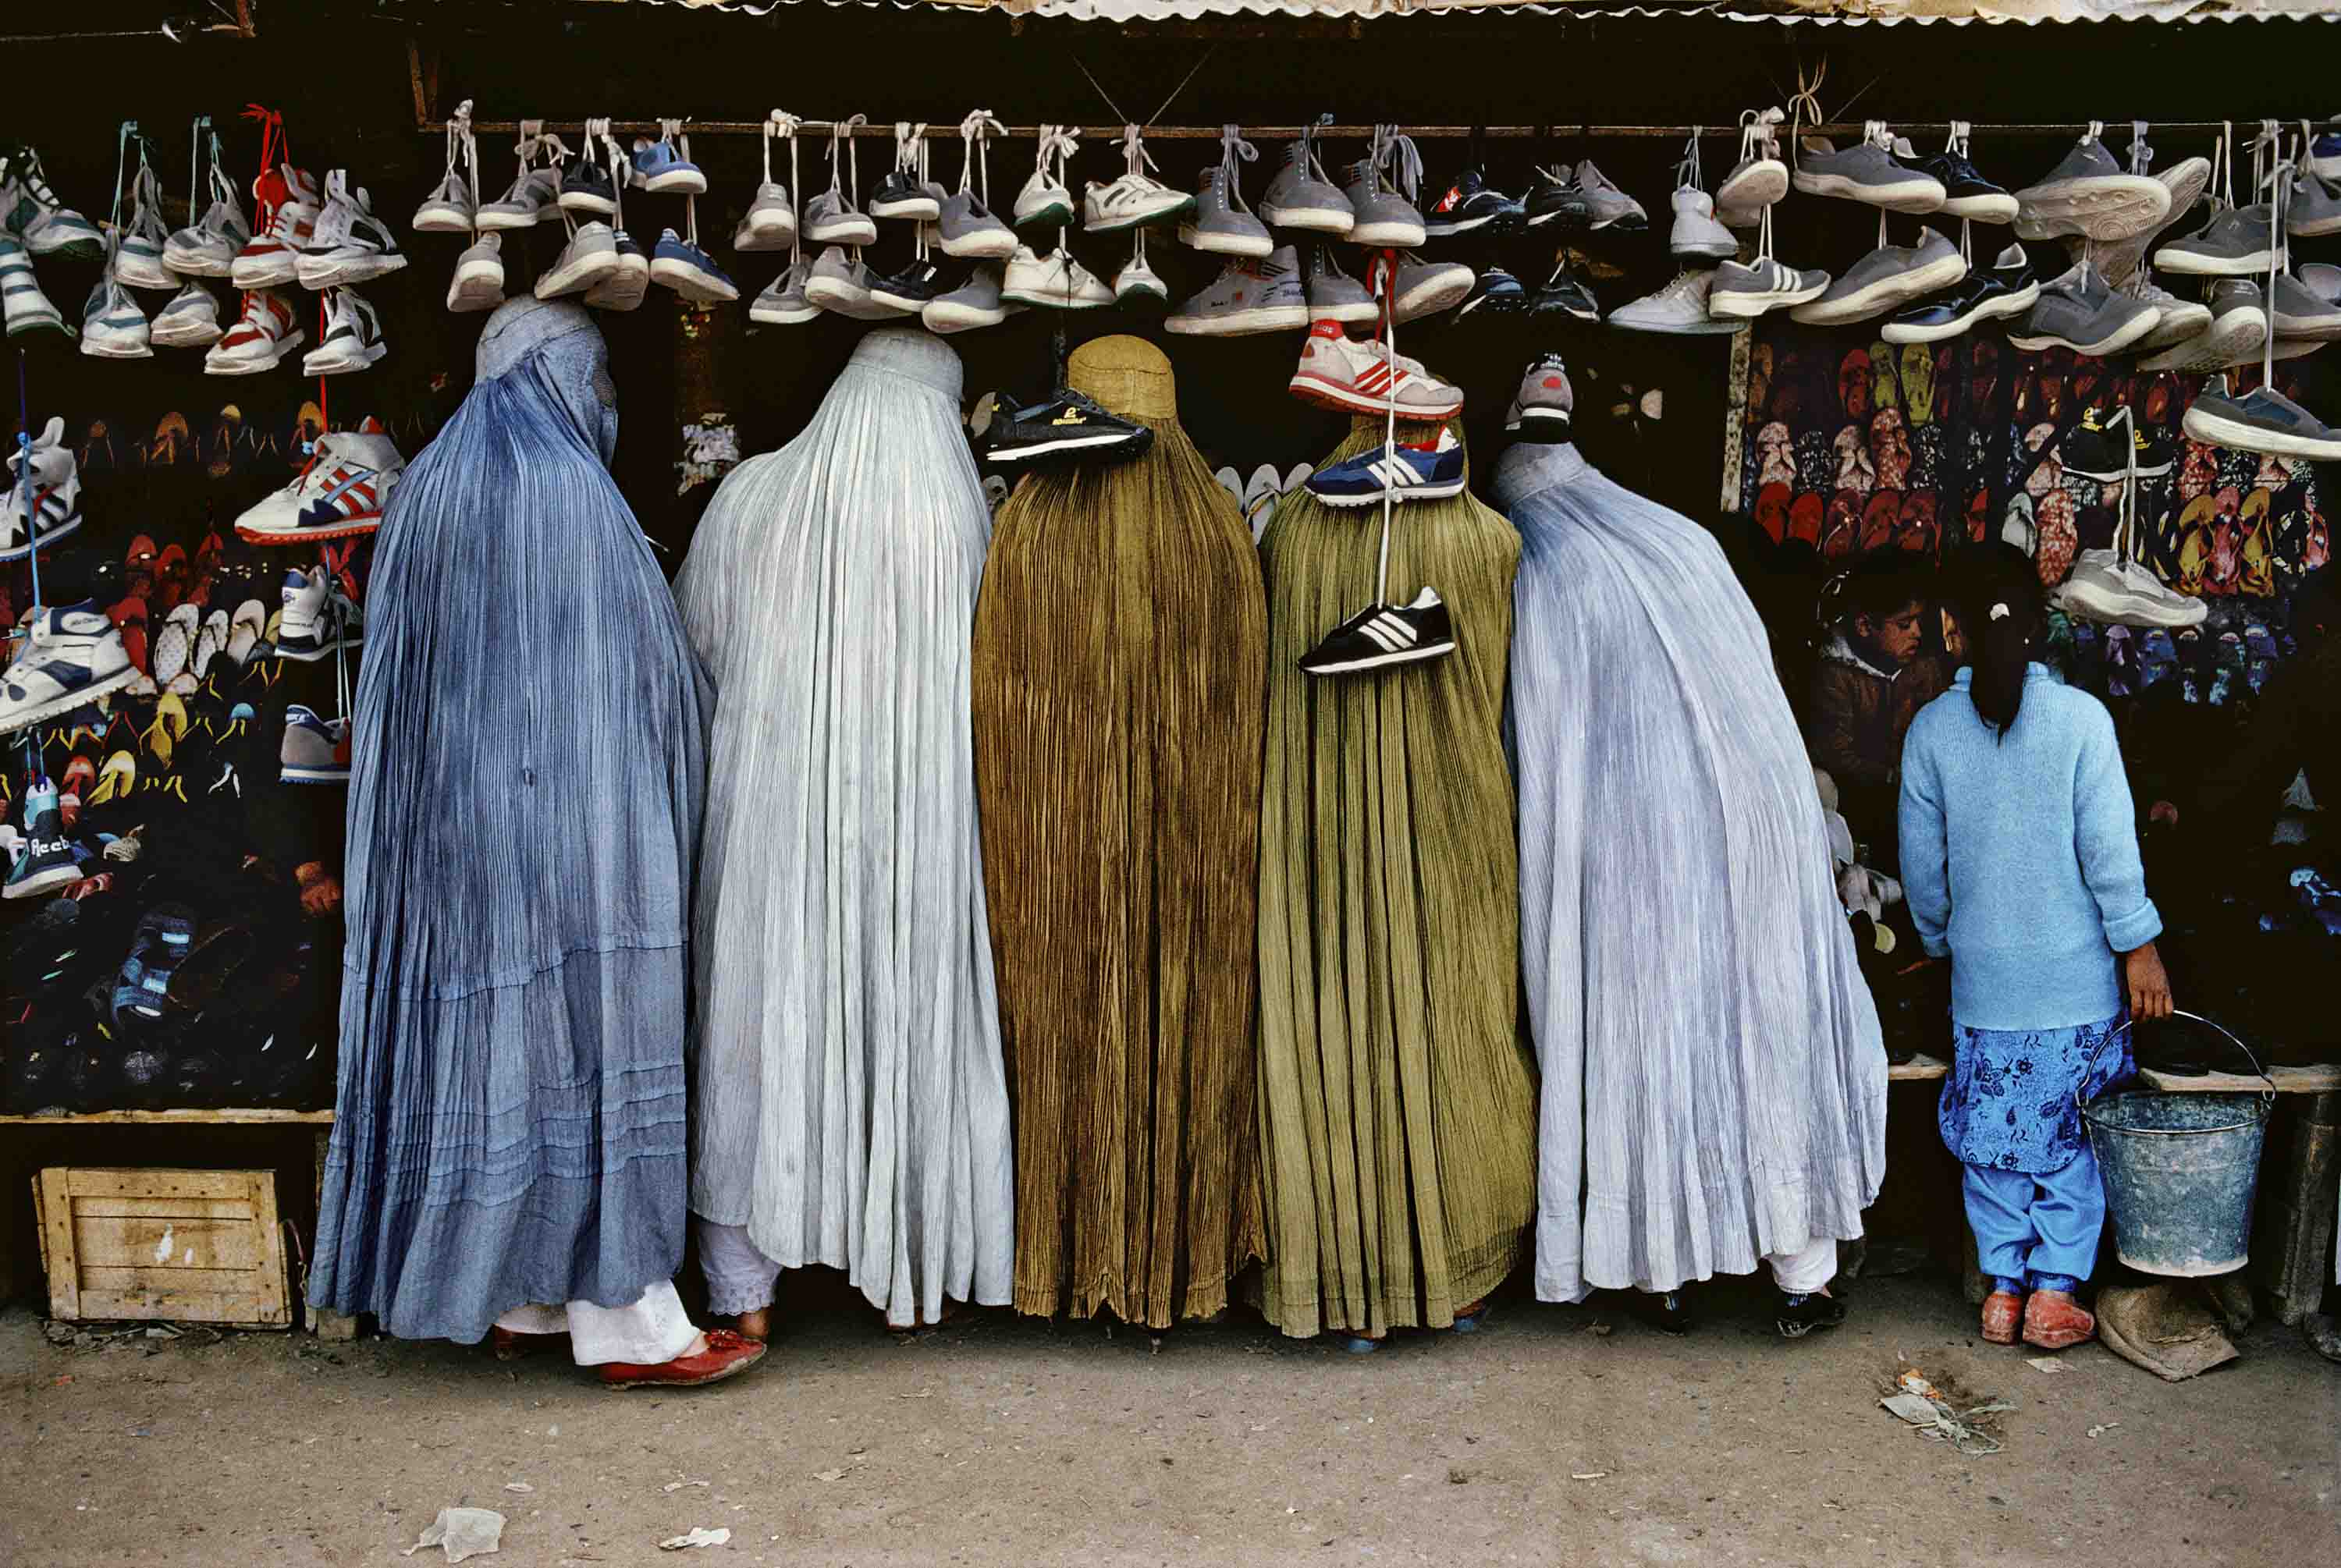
(1812, 13)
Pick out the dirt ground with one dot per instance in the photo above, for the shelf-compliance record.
(1554, 1435)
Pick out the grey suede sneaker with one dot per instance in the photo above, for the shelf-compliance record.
(2297, 311)
(1221, 225)
(2080, 311)
(2261, 421)
(1867, 172)
(2181, 319)
(966, 227)
(839, 282)
(974, 303)
(1333, 294)
(2238, 327)
(2089, 193)
(1384, 217)
(784, 302)
(2185, 180)
(1746, 292)
(1611, 207)
(1249, 296)
(1300, 196)
(2234, 243)
(1889, 276)
(1426, 288)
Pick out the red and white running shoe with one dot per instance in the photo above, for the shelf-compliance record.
(289, 205)
(341, 492)
(265, 335)
(1338, 373)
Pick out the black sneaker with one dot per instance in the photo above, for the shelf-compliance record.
(2005, 290)
(1564, 294)
(900, 196)
(910, 289)
(1471, 205)
(1066, 429)
(1555, 201)
(1494, 292)
(1968, 195)
(1801, 1313)
(587, 188)
(2101, 447)
(1382, 635)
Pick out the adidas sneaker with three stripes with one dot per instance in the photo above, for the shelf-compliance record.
(1339, 372)
(1382, 635)
(1430, 471)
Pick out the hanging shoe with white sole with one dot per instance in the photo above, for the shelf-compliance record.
(769, 223)
(340, 494)
(1760, 178)
(190, 321)
(590, 255)
(1136, 198)
(207, 247)
(139, 261)
(29, 312)
(663, 167)
(353, 337)
(1054, 282)
(588, 186)
(479, 281)
(1138, 283)
(1251, 295)
(977, 302)
(784, 302)
(1302, 195)
(2089, 193)
(452, 205)
(360, 247)
(1222, 223)
(624, 286)
(1427, 471)
(835, 216)
(48, 488)
(73, 656)
(113, 327)
(2262, 421)
(289, 204)
(1381, 636)
(34, 214)
(2234, 335)
(678, 264)
(262, 335)
(1045, 202)
(316, 617)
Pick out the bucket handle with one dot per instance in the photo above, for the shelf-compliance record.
(2267, 1094)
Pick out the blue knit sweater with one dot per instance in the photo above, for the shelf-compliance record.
(2020, 856)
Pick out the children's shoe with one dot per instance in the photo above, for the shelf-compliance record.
(1069, 428)
(2053, 1319)
(315, 619)
(191, 320)
(628, 282)
(663, 168)
(46, 226)
(350, 244)
(591, 255)
(680, 265)
(261, 337)
(1380, 636)
(28, 310)
(1055, 280)
(479, 281)
(315, 751)
(784, 302)
(44, 861)
(339, 494)
(1248, 296)
(54, 480)
(1338, 373)
(207, 248)
(113, 327)
(138, 263)
(1431, 471)
(769, 223)
(976, 302)
(73, 656)
(2003, 1314)
(273, 255)
(353, 337)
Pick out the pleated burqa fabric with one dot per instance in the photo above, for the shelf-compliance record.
(1714, 1079)
(1397, 1101)
(525, 776)
(849, 1106)
(1118, 649)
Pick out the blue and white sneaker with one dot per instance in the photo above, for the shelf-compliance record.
(690, 272)
(662, 167)
(191, 320)
(316, 617)
(166, 933)
(2324, 155)
(113, 327)
(27, 309)
(46, 859)
(1431, 472)
(30, 211)
(49, 491)
(74, 657)
(315, 751)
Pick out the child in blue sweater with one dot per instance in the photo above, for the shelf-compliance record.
(2020, 862)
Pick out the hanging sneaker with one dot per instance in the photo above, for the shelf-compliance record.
(682, 266)
(2106, 451)
(1333, 295)
(1248, 296)
(591, 255)
(1055, 280)
(664, 168)
(1427, 288)
(1888, 278)
(350, 244)
(46, 861)
(27, 309)
(318, 618)
(587, 187)
(1471, 205)
(452, 205)
(2117, 261)
(769, 223)
(901, 193)
(2234, 243)
(911, 289)
(191, 320)
(2315, 207)
(1966, 193)
(839, 282)
(138, 263)
(1607, 206)
(207, 248)
(1131, 202)
(2079, 312)
(830, 219)
(968, 228)
(2108, 588)
(1385, 219)
(1760, 178)
(1045, 202)
(1680, 308)
(1428, 470)
(1764, 284)
(46, 226)
(1696, 231)
(534, 197)
(261, 337)
(1867, 172)
(1338, 373)
(49, 489)
(1219, 227)
(625, 287)
(113, 327)
(2294, 312)
(1069, 428)
(1494, 292)
(73, 656)
(2261, 421)
(2238, 328)
(1139, 283)
(479, 281)
(315, 749)
(976, 302)
(273, 255)
(1543, 408)
(341, 493)
(1555, 203)
(784, 302)
(1564, 293)
(1302, 196)
(353, 337)
(2091, 194)
(2180, 321)
(1382, 635)
(2001, 292)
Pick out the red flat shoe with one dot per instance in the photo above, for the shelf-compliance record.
(2003, 1313)
(2053, 1320)
(727, 1355)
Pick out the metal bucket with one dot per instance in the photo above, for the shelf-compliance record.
(2181, 1171)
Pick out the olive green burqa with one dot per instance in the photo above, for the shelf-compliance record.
(1398, 1098)
(1120, 642)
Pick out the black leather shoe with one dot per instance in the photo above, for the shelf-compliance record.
(1800, 1314)
(1667, 1311)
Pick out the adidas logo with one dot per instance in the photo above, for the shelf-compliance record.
(1393, 634)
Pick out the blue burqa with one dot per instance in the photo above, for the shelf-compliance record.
(526, 776)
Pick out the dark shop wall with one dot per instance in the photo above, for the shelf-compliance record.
(339, 73)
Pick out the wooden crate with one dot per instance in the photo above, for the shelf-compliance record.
(199, 1246)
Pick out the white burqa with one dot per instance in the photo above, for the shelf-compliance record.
(1714, 1081)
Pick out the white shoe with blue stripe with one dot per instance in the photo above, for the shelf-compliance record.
(76, 656)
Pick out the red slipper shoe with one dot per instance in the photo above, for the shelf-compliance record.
(2054, 1320)
(2003, 1311)
(727, 1355)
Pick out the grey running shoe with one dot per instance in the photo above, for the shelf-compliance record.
(479, 281)
(1301, 197)
(2079, 312)
(839, 283)
(1333, 294)
(2120, 261)
(1866, 171)
(1681, 307)
(974, 303)
(2089, 193)
(1760, 178)
(769, 223)
(1251, 294)
(969, 228)
(1221, 225)
(2238, 327)
(1747, 292)
(2181, 319)
(1889, 276)
(2295, 311)
(1385, 218)
(2323, 279)
(830, 219)
(2235, 243)
(1426, 288)
(1696, 231)
(591, 255)
(2261, 421)
(2314, 208)
(1610, 207)
(784, 302)
(1541, 409)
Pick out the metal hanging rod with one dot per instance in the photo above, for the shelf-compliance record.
(946, 132)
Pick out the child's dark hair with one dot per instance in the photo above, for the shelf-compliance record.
(2004, 620)
(1877, 585)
